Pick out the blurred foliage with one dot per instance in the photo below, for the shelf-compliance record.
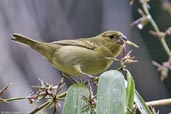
(162, 18)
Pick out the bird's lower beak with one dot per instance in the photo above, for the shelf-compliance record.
(122, 39)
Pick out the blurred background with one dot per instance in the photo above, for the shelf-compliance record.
(51, 20)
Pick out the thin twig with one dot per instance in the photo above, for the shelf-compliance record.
(62, 95)
(162, 102)
(156, 28)
(15, 99)
(41, 107)
(4, 88)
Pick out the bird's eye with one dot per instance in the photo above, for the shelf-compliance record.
(111, 36)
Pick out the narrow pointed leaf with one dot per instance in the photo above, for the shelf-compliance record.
(111, 93)
(143, 108)
(74, 104)
(130, 91)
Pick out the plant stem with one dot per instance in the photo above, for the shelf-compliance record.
(161, 102)
(156, 28)
(14, 99)
(41, 107)
(166, 47)
(22, 98)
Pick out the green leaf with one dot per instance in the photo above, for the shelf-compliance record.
(73, 102)
(143, 108)
(133, 96)
(111, 93)
(130, 91)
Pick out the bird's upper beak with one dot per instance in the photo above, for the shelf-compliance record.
(122, 39)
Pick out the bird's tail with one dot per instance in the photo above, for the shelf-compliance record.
(43, 48)
(24, 40)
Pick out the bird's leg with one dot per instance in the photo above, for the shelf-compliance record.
(69, 77)
(78, 69)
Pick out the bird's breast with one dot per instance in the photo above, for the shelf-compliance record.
(91, 61)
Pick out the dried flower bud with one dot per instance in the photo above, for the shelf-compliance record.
(127, 59)
(168, 31)
(163, 69)
(159, 35)
(166, 5)
(141, 22)
(131, 2)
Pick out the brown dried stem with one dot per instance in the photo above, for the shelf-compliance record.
(162, 102)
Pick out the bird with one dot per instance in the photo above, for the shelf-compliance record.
(79, 57)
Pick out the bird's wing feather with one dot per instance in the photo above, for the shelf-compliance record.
(79, 43)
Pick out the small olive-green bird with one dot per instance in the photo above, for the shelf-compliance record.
(84, 56)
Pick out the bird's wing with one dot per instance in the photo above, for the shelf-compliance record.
(79, 43)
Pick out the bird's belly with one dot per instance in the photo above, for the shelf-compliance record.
(90, 61)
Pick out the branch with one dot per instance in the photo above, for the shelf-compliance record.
(156, 28)
(162, 102)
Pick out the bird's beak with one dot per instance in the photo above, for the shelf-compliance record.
(122, 39)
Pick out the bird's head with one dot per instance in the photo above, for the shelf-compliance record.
(113, 40)
(113, 36)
